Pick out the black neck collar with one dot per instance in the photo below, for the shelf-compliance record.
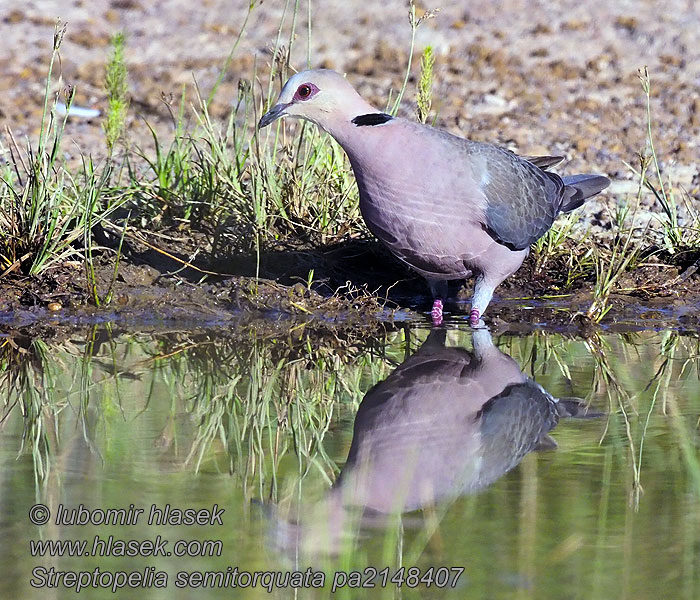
(371, 119)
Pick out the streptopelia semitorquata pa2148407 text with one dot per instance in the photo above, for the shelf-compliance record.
(448, 207)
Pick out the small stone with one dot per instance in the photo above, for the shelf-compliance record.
(628, 23)
(14, 16)
(541, 28)
(89, 39)
(582, 144)
(126, 4)
(364, 66)
(54, 306)
(575, 25)
(299, 289)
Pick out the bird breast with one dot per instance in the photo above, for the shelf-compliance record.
(420, 196)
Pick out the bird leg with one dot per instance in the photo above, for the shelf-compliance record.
(474, 317)
(483, 344)
(436, 313)
(483, 292)
(438, 289)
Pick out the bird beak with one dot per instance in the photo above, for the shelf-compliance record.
(273, 114)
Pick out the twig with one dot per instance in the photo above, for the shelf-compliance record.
(139, 239)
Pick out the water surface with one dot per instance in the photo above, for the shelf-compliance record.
(543, 466)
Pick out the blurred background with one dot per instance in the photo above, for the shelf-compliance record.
(540, 77)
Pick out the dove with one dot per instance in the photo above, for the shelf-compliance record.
(447, 422)
(448, 207)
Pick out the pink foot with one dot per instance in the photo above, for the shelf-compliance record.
(436, 313)
(474, 317)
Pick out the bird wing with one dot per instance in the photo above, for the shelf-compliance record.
(514, 423)
(543, 162)
(522, 199)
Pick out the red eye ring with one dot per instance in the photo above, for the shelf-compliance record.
(305, 91)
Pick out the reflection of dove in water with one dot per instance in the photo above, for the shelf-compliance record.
(446, 422)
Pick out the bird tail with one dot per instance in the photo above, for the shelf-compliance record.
(581, 187)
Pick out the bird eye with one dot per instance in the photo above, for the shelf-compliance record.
(305, 91)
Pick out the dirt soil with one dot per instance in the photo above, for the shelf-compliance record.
(555, 77)
(357, 285)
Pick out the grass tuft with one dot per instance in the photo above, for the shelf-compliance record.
(415, 21)
(117, 86)
(424, 99)
(676, 238)
(46, 211)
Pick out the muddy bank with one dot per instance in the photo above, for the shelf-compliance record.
(355, 285)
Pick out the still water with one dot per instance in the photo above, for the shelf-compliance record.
(428, 464)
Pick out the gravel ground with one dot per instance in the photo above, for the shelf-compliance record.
(556, 76)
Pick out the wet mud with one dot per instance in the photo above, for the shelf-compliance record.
(353, 285)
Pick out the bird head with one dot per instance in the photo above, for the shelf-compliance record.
(321, 96)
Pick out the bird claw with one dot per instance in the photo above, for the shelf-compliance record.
(436, 313)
